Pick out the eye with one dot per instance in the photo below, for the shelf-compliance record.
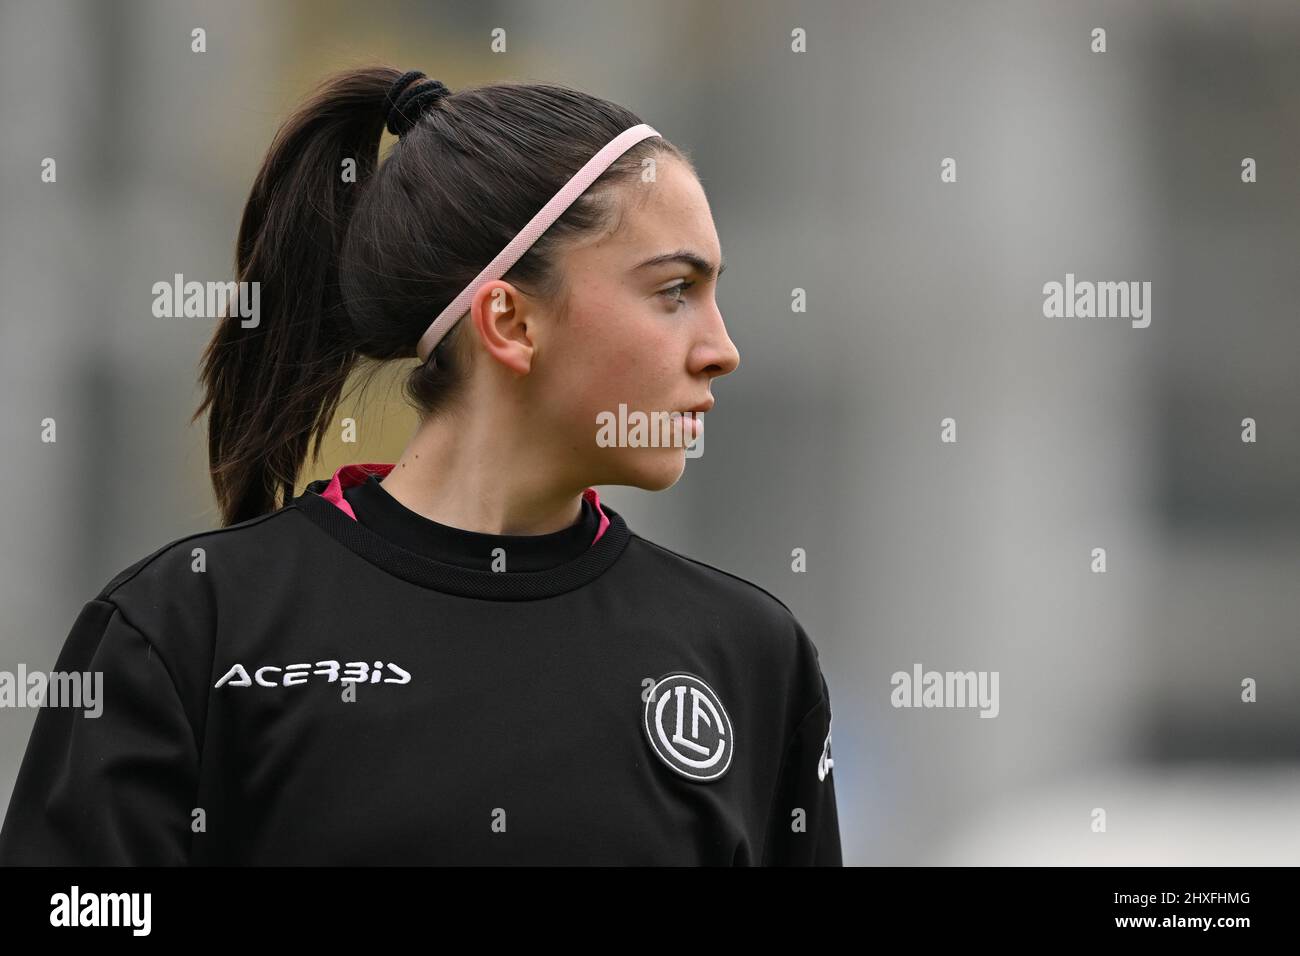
(677, 291)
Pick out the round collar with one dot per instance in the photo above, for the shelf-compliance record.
(453, 579)
(379, 511)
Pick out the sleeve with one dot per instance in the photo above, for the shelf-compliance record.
(112, 781)
(804, 827)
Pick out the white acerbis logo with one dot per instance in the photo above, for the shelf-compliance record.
(688, 728)
(353, 672)
(824, 762)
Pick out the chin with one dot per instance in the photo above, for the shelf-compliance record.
(657, 472)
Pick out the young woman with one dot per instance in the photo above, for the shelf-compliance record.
(463, 657)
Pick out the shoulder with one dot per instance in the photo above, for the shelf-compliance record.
(172, 595)
(736, 610)
(720, 583)
(181, 556)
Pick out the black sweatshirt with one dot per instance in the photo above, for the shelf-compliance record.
(346, 682)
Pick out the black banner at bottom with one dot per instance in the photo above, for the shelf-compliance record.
(338, 905)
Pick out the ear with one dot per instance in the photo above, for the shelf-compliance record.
(500, 312)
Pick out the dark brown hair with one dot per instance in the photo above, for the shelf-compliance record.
(357, 270)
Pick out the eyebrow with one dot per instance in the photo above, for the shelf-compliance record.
(692, 259)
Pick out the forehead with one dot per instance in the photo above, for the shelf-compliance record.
(669, 213)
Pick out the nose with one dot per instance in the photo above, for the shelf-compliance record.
(720, 355)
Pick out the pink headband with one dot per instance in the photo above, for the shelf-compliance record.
(520, 244)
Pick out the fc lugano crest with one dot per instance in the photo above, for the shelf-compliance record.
(688, 728)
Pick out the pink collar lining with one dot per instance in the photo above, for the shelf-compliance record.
(350, 475)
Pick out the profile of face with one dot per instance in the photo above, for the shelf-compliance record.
(641, 329)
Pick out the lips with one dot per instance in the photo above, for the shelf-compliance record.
(689, 420)
(699, 409)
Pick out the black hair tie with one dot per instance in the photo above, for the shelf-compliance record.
(403, 106)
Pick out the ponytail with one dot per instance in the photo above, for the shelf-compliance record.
(274, 387)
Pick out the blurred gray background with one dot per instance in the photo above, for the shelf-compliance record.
(1118, 690)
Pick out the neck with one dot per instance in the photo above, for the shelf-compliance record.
(485, 473)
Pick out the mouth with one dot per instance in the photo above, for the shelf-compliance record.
(689, 420)
(699, 409)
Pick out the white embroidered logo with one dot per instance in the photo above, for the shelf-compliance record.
(688, 728)
(825, 763)
(353, 672)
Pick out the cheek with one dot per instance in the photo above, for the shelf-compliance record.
(626, 369)
(599, 382)
(590, 369)
(615, 352)
(605, 348)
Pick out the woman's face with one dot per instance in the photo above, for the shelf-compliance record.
(642, 330)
